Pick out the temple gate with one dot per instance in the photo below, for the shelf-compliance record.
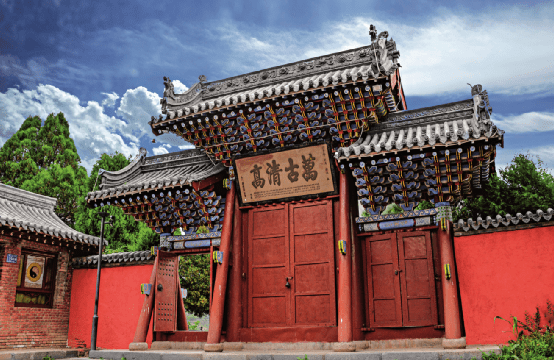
(324, 203)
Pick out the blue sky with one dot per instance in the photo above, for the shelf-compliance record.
(102, 62)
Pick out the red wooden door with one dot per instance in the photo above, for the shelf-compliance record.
(401, 283)
(268, 249)
(385, 306)
(312, 263)
(294, 243)
(417, 279)
(165, 300)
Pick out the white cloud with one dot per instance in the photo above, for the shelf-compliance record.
(186, 147)
(527, 122)
(162, 149)
(507, 49)
(93, 131)
(179, 87)
(110, 99)
(545, 153)
(137, 106)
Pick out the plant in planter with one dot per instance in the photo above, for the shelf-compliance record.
(423, 205)
(202, 229)
(392, 208)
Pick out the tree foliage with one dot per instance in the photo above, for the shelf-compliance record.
(524, 185)
(126, 234)
(194, 272)
(64, 183)
(43, 159)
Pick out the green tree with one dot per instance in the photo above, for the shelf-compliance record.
(126, 234)
(43, 159)
(194, 272)
(17, 160)
(524, 185)
(64, 183)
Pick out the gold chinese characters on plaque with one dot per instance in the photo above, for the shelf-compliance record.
(285, 174)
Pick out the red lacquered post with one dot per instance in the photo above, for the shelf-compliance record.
(449, 288)
(216, 312)
(345, 266)
(139, 341)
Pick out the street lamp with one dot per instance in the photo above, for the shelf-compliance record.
(103, 215)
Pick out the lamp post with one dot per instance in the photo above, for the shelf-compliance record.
(103, 215)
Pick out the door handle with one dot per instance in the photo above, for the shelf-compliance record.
(287, 284)
(160, 287)
(397, 271)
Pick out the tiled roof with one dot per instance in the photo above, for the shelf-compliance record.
(419, 128)
(375, 61)
(508, 220)
(125, 257)
(180, 168)
(35, 213)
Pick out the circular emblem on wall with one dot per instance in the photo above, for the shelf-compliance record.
(34, 271)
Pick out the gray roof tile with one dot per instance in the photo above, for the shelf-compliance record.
(432, 126)
(35, 213)
(508, 220)
(157, 171)
(125, 257)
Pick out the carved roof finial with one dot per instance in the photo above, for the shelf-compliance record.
(202, 78)
(373, 32)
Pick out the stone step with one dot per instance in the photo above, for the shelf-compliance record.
(367, 354)
(38, 354)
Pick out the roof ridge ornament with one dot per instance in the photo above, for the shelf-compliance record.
(169, 89)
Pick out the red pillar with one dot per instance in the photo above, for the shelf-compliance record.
(234, 319)
(449, 286)
(218, 303)
(139, 341)
(345, 266)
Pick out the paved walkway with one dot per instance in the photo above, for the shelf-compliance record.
(390, 354)
(431, 353)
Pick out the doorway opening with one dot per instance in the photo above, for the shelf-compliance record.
(195, 276)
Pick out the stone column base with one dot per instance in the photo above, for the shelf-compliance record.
(454, 343)
(344, 346)
(138, 346)
(213, 347)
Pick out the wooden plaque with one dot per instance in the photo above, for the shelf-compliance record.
(285, 175)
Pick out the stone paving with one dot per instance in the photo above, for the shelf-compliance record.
(365, 350)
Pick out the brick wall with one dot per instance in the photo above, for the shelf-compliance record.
(26, 326)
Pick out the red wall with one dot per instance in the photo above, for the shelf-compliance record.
(119, 306)
(503, 273)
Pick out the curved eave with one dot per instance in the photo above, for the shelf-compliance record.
(40, 221)
(248, 97)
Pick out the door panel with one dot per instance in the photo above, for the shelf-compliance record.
(293, 241)
(270, 251)
(312, 264)
(269, 299)
(269, 311)
(166, 292)
(385, 307)
(417, 279)
(313, 309)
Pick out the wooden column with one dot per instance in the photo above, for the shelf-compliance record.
(449, 287)
(345, 267)
(234, 319)
(218, 303)
(139, 341)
